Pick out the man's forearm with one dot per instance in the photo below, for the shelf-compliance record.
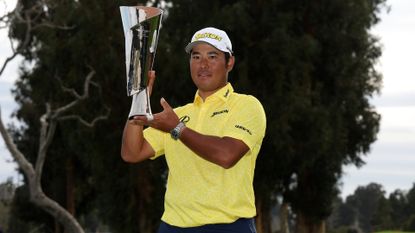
(132, 142)
(224, 152)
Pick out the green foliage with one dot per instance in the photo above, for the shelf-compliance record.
(311, 65)
(394, 232)
(410, 224)
(370, 210)
(83, 164)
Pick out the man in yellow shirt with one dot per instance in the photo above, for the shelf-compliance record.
(210, 145)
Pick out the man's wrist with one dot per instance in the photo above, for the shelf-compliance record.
(177, 131)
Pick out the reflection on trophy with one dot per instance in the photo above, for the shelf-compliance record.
(141, 29)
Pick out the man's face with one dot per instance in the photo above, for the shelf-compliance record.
(209, 69)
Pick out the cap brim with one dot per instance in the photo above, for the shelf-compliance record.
(190, 46)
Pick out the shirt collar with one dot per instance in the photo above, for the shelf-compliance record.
(222, 94)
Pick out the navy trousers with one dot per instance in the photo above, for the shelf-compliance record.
(242, 225)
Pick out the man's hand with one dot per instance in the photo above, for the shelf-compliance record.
(151, 78)
(164, 121)
(150, 83)
(134, 147)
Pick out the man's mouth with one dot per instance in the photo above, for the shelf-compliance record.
(204, 74)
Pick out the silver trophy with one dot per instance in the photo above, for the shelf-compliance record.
(141, 30)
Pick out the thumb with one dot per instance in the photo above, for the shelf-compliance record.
(164, 104)
(151, 78)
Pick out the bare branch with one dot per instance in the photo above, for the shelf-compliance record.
(7, 61)
(53, 26)
(28, 17)
(78, 97)
(36, 194)
(90, 124)
(21, 160)
(46, 135)
(32, 20)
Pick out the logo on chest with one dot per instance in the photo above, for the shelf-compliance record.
(219, 112)
(185, 119)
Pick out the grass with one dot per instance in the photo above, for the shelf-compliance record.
(394, 232)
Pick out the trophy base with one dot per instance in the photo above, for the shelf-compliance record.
(140, 105)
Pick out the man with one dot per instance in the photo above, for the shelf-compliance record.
(210, 145)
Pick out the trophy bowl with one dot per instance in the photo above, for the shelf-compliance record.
(141, 26)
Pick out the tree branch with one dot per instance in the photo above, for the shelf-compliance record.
(21, 160)
(90, 124)
(29, 17)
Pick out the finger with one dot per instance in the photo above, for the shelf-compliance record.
(151, 78)
(142, 120)
(149, 117)
(164, 104)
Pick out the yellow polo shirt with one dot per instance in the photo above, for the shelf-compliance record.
(200, 192)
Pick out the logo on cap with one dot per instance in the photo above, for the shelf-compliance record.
(207, 35)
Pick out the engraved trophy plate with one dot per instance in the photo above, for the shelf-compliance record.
(141, 30)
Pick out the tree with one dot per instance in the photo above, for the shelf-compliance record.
(310, 64)
(382, 218)
(312, 67)
(7, 190)
(84, 160)
(398, 204)
(410, 196)
(25, 24)
(410, 224)
(366, 200)
(34, 173)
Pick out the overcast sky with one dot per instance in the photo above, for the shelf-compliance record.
(391, 161)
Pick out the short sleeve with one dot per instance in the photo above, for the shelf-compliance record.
(156, 139)
(247, 122)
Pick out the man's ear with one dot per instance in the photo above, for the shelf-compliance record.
(230, 64)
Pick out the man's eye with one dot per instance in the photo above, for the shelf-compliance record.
(195, 57)
(212, 56)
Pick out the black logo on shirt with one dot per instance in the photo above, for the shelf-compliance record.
(184, 119)
(219, 112)
(243, 128)
(226, 94)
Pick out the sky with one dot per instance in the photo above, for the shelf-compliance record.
(391, 161)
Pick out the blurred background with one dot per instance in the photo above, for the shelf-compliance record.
(335, 79)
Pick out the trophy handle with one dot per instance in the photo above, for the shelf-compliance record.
(140, 104)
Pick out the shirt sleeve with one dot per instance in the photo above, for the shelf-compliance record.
(156, 139)
(247, 122)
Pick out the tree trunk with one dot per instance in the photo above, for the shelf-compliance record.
(305, 225)
(34, 174)
(70, 187)
(258, 220)
(60, 214)
(145, 190)
(285, 228)
(263, 218)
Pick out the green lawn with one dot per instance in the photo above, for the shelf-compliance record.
(394, 232)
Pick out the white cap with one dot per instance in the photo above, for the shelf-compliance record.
(213, 36)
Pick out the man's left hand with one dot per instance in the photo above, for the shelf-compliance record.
(164, 121)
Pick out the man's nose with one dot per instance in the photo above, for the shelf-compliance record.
(204, 63)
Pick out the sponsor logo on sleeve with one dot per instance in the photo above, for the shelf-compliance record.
(243, 128)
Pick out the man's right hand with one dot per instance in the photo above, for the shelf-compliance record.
(134, 147)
